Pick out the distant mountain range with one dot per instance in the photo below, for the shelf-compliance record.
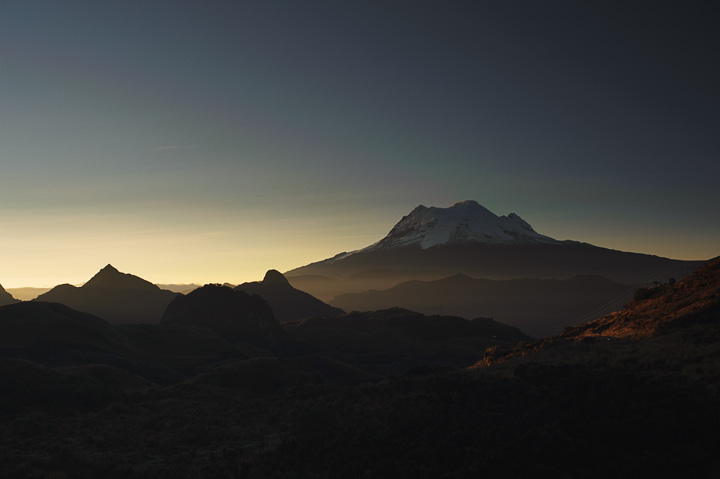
(183, 288)
(122, 298)
(27, 293)
(114, 296)
(462, 260)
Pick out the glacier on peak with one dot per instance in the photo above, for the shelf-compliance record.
(463, 222)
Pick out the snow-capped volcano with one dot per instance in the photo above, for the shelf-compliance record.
(432, 243)
(462, 223)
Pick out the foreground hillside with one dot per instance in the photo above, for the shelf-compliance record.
(639, 401)
(673, 324)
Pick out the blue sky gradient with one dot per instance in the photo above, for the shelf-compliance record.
(210, 141)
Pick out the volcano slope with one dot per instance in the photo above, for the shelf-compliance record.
(467, 238)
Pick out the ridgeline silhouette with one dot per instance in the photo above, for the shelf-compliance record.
(6, 298)
(288, 303)
(114, 296)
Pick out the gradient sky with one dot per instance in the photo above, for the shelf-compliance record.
(195, 141)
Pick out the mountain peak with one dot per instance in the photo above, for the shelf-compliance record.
(110, 277)
(464, 222)
(274, 276)
(288, 303)
(466, 203)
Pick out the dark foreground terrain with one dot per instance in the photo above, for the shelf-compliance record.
(632, 395)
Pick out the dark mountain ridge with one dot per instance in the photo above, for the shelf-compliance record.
(287, 303)
(114, 296)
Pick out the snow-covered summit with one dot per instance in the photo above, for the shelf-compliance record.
(462, 223)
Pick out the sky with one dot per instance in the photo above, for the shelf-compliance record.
(196, 141)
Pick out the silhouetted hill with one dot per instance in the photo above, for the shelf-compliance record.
(235, 315)
(114, 296)
(287, 303)
(535, 306)
(6, 298)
